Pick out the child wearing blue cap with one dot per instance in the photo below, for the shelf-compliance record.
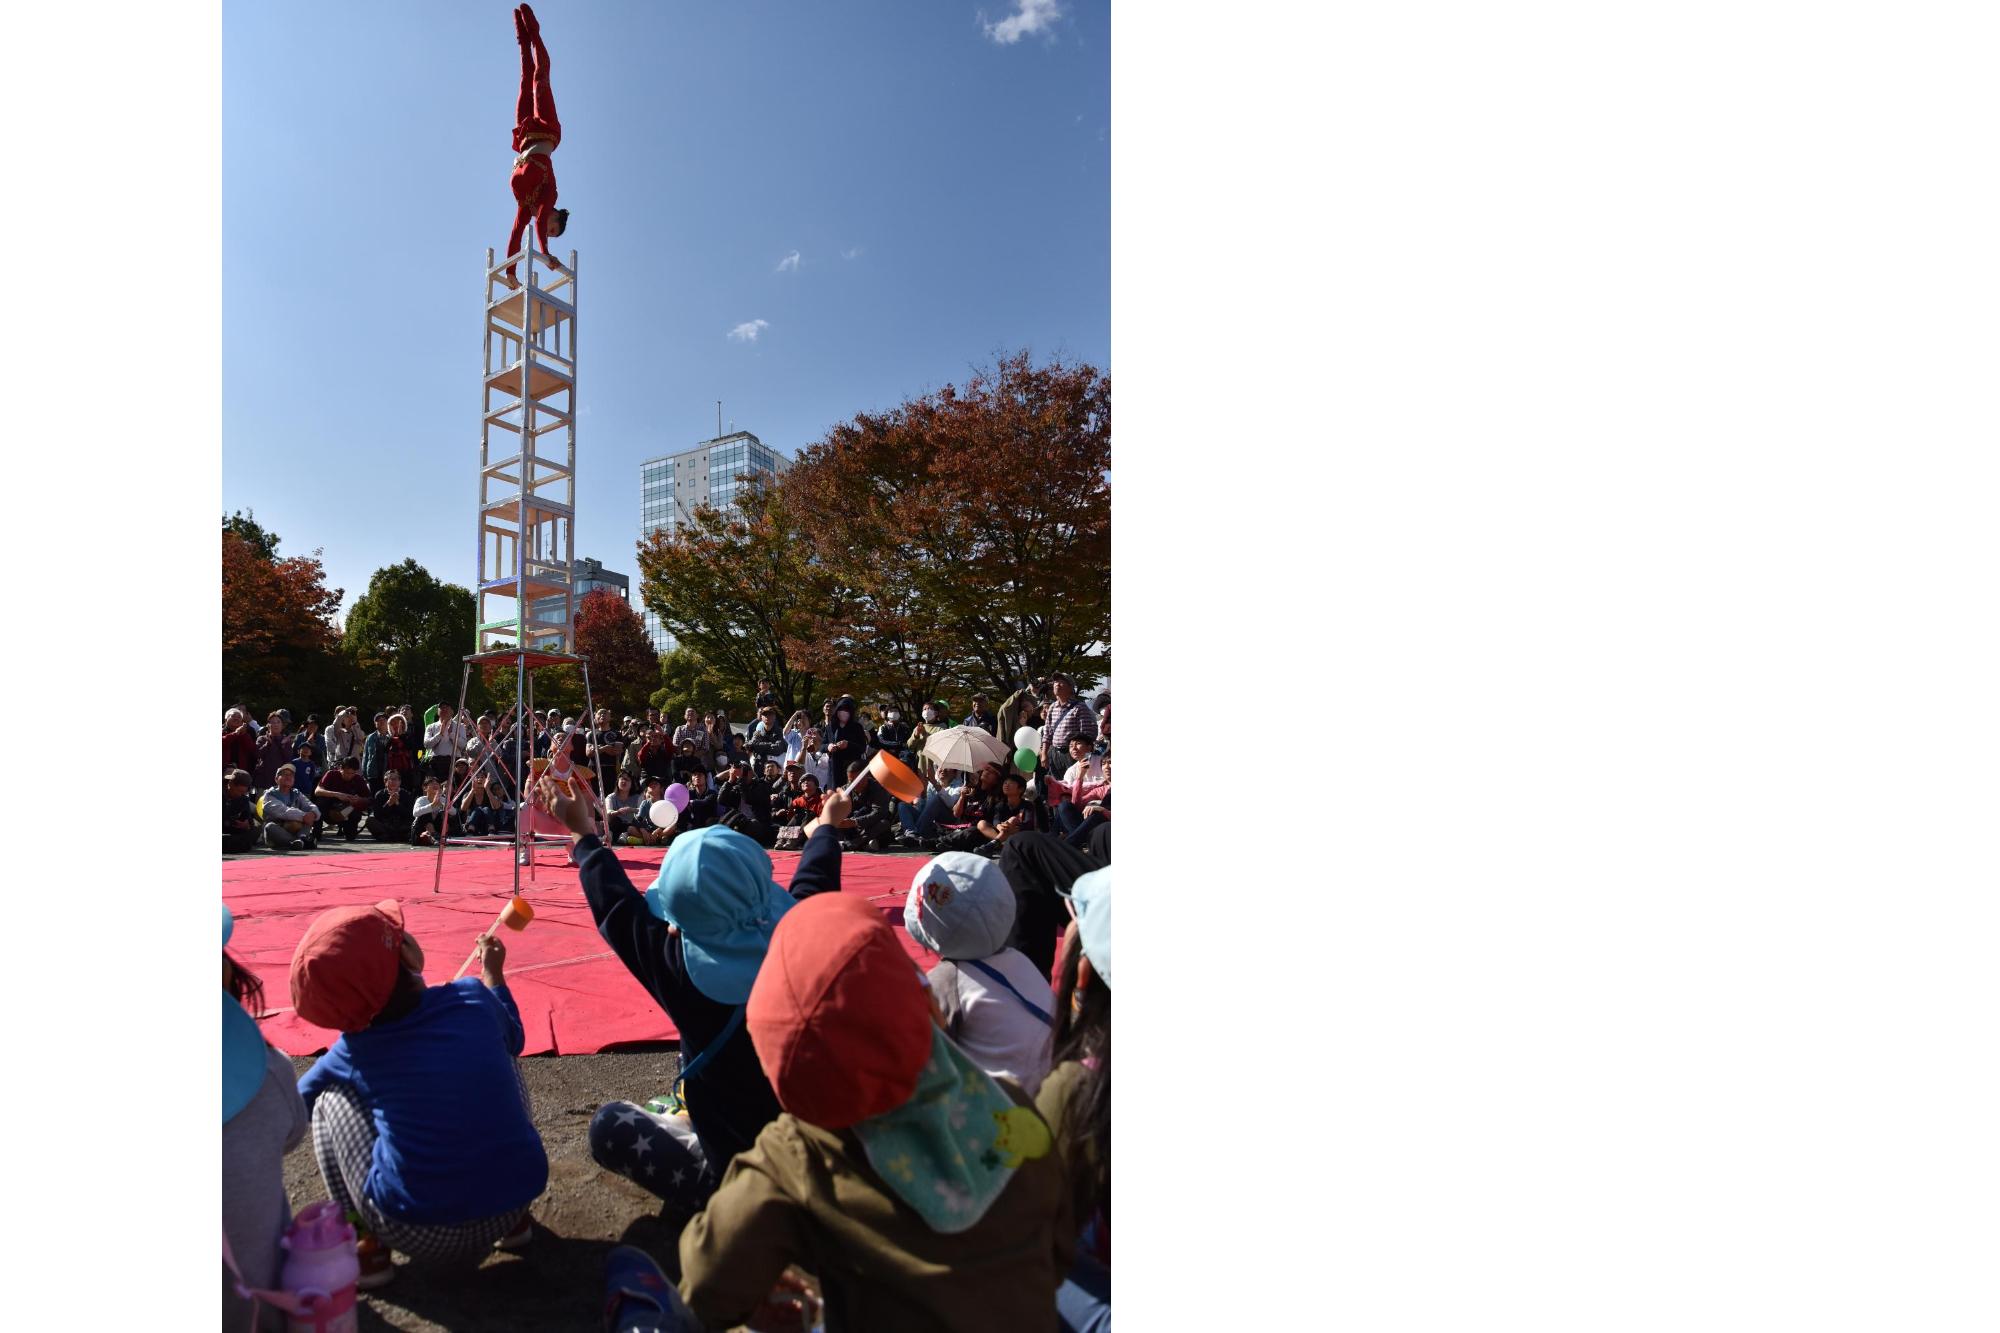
(989, 997)
(694, 940)
(263, 1118)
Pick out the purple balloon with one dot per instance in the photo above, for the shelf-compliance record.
(677, 796)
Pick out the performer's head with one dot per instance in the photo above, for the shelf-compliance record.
(558, 221)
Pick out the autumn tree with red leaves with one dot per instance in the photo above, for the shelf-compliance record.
(970, 533)
(279, 640)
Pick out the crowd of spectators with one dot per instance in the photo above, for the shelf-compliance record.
(402, 778)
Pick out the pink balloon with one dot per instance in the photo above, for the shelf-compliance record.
(677, 796)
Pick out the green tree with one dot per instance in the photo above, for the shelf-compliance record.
(407, 636)
(245, 525)
(743, 591)
(687, 681)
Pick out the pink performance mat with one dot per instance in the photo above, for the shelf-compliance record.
(576, 998)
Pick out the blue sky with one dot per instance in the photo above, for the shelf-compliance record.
(946, 192)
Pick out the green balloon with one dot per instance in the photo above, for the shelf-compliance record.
(1024, 760)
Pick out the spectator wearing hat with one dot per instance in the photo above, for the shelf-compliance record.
(846, 739)
(311, 734)
(694, 939)
(241, 829)
(263, 1118)
(744, 803)
(990, 998)
(923, 1192)
(1067, 716)
(701, 807)
(420, 1122)
(343, 798)
(305, 769)
(982, 717)
(291, 821)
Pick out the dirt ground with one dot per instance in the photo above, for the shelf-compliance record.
(557, 1283)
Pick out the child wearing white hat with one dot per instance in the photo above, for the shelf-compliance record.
(993, 1002)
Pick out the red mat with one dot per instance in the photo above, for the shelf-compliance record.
(576, 998)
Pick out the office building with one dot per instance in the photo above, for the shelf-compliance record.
(585, 575)
(673, 486)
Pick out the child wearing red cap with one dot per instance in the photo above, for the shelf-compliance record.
(924, 1193)
(420, 1121)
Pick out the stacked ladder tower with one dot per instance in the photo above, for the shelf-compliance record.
(526, 516)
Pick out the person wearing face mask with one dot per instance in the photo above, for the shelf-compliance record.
(935, 719)
(846, 739)
(894, 733)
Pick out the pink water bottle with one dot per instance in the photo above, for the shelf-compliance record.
(320, 1270)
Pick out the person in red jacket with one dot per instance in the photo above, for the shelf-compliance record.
(537, 134)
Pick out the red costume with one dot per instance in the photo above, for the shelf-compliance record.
(536, 128)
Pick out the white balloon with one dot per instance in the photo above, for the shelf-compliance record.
(664, 814)
(1027, 738)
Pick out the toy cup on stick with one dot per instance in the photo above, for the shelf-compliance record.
(895, 776)
(514, 916)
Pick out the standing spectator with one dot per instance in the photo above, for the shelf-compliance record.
(934, 721)
(795, 735)
(344, 737)
(240, 829)
(1023, 708)
(392, 811)
(445, 739)
(607, 745)
(274, 749)
(693, 733)
(721, 741)
(982, 717)
(656, 755)
(401, 755)
(1103, 709)
(239, 742)
(767, 738)
(813, 759)
(1068, 716)
(305, 769)
(311, 734)
(343, 798)
(291, 822)
(846, 739)
(375, 753)
(894, 733)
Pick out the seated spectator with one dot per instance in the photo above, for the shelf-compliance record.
(806, 805)
(867, 829)
(1080, 785)
(241, 830)
(744, 804)
(291, 821)
(1075, 1100)
(484, 808)
(1000, 818)
(432, 820)
(920, 822)
(624, 805)
(1102, 706)
(656, 832)
(392, 813)
(989, 997)
(262, 1119)
(656, 756)
(694, 940)
(691, 738)
(421, 1125)
(688, 761)
(975, 795)
(1096, 816)
(701, 807)
(343, 799)
(923, 1192)
(783, 792)
(722, 742)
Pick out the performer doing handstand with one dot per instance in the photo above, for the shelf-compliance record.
(537, 133)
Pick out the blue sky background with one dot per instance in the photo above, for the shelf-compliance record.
(947, 194)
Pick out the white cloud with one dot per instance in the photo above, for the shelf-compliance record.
(855, 253)
(790, 263)
(1029, 17)
(747, 331)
